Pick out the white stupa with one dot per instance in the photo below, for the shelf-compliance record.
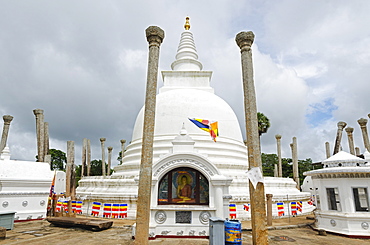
(216, 171)
(342, 194)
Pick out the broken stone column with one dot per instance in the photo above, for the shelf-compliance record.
(70, 175)
(122, 149)
(102, 140)
(110, 148)
(280, 166)
(4, 137)
(88, 160)
(362, 122)
(83, 156)
(257, 194)
(357, 150)
(154, 36)
(351, 143)
(269, 209)
(341, 126)
(327, 147)
(295, 162)
(39, 114)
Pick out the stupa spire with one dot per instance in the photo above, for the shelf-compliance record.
(187, 24)
(186, 57)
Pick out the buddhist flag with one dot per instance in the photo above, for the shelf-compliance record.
(95, 209)
(208, 126)
(115, 210)
(246, 207)
(59, 206)
(73, 206)
(123, 210)
(280, 207)
(79, 207)
(293, 207)
(232, 210)
(299, 206)
(107, 211)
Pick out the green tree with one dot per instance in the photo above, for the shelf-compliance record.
(263, 123)
(96, 168)
(269, 161)
(58, 159)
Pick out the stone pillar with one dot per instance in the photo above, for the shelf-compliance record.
(341, 126)
(47, 157)
(257, 194)
(327, 148)
(122, 149)
(83, 157)
(295, 162)
(88, 160)
(365, 136)
(4, 137)
(110, 148)
(351, 143)
(280, 166)
(46, 139)
(155, 36)
(70, 175)
(39, 114)
(102, 156)
(357, 150)
(269, 209)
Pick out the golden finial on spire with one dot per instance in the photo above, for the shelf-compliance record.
(187, 24)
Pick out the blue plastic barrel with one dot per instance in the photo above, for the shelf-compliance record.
(233, 232)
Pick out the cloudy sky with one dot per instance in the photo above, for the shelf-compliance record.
(84, 63)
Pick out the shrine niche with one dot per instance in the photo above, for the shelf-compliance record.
(183, 186)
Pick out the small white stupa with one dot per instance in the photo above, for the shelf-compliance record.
(24, 187)
(342, 194)
(194, 177)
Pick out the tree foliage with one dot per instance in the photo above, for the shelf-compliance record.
(58, 159)
(263, 123)
(95, 169)
(269, 161)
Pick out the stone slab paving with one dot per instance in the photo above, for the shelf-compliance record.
(41, 232)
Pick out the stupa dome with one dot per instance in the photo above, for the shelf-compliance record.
(174, 107)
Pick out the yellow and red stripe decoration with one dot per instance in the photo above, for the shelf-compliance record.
(232, 211)
(206, 125)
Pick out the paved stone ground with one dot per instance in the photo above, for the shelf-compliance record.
(41, 232)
